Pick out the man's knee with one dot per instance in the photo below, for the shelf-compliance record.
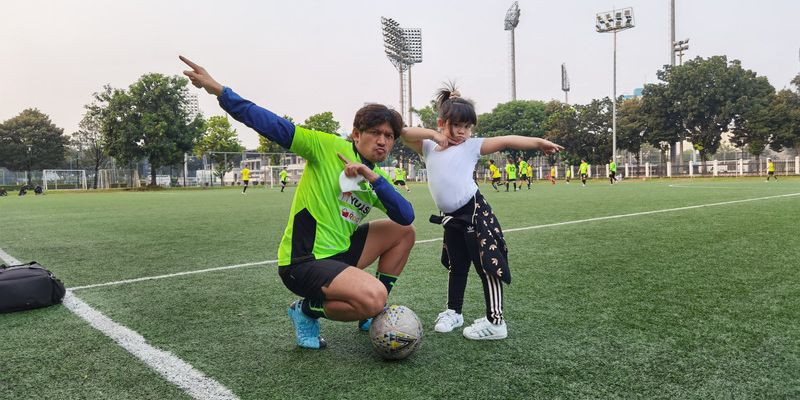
(409, 233)
(374, 300)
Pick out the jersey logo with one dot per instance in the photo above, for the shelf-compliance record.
(349, 215)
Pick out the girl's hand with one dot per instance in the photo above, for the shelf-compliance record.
(548, 147)
(445, 141)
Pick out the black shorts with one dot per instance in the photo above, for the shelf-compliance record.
(399, 182)
(512, 180)
(246, 182)
(495, 180)
(771, 173)
(612, 174)
(306, 279)
(283, 183)
(583, 176)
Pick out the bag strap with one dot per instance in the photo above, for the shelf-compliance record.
(3, 266)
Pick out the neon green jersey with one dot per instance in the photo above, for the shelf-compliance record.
(552, 171)
(567, 171)
(523, 168)
(584, 168)
(245, 174)
(284, 175)
(323, 217)
(399, 174)
(530, 171)
(770, 167)
(613, 166)
(511, 171)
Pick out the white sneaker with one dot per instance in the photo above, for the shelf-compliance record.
(482, 329)
(448, 320)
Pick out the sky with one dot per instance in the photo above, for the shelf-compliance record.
(303, 57)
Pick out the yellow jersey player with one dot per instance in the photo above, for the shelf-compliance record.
(245, 178)
(771, 170)
(495, 173)
(530, 175)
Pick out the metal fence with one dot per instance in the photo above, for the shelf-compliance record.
(197, 171)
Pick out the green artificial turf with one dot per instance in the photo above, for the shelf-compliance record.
(692, 303)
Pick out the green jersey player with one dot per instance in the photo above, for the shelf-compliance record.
(325, 247)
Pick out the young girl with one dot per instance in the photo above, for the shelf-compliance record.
(472, 234)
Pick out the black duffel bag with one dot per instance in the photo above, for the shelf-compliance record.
(27, 286)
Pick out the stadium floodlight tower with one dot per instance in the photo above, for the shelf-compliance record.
(614, 21)
(565, 82)
(403, 47)
(413, 51)
(679, 47)
(511, 22)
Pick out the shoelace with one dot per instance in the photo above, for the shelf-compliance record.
(447, 317)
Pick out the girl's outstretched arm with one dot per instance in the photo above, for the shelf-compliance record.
(413, 138)
(499, 143)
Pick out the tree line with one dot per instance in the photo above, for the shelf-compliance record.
(699, 102)
(147, 121)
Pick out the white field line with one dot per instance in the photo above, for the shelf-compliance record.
(439, 239)
(182, 374)
(704, 187)
(149, 278)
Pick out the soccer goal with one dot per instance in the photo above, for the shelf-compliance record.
(59, 179)
(270, 175)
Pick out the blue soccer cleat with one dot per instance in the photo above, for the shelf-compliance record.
(305, 328)
(364, 324)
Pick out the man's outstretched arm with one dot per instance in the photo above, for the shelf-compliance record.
(263, 121)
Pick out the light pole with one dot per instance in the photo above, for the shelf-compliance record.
(565, 83)
(679, 47)
(511, 22)
(614, 21)
(403, 47)
(29, 163)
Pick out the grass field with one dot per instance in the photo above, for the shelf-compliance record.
(696, 302)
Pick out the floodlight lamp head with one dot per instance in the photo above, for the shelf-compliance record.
(512, 17)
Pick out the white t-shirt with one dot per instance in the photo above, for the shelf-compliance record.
(450, 172)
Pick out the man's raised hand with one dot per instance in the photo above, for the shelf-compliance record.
(200, 78)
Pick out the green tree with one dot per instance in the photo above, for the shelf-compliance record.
(664, 120)
(756, 115)
(594, 131)
(322, 122)
(520, 117)
(428, 115)
(31, 141)
(787, 131)
(148, 120)
(89, 140)
(219, 138)
(632, 127)
(561, 126)
(703, 96)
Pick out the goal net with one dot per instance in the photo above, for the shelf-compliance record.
(117, 178)
(59, 179)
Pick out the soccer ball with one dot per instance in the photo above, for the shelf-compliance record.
(395, 333)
